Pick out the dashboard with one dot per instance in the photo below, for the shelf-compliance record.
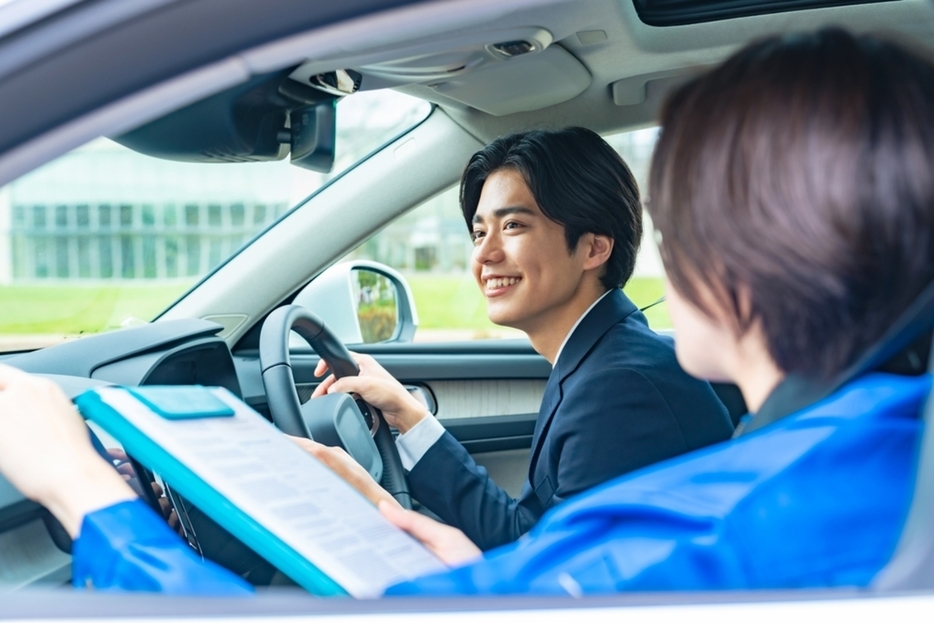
(179, 352)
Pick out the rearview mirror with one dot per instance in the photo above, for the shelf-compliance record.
(261, 119)
(362, 302)
(313, 136)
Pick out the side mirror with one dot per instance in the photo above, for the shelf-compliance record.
(363, 302)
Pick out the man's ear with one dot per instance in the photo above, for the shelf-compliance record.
(598, 249)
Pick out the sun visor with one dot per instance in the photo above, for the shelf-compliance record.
(520, 84)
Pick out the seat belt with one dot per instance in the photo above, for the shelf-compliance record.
(912, 565)
(908, 334)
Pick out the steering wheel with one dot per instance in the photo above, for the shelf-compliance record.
(284, 404)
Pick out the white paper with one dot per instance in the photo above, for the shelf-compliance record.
(289, 492)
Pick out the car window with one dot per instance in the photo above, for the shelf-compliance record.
(105, 237)
(430, 246)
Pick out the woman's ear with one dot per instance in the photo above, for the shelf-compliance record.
(598, 249)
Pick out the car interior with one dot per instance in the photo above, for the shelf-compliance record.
(263, 86)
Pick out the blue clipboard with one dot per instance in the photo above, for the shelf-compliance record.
(191, 485)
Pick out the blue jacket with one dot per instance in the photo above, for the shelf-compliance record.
(616, 401)
(815, 499)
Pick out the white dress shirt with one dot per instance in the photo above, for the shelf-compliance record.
(415, 443)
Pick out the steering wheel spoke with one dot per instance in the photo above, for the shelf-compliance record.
(287, 411)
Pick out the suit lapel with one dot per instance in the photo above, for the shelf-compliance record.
(550, 400)
(611, 309)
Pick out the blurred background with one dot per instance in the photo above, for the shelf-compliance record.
(104, 237)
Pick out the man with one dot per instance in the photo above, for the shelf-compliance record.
(556, 222)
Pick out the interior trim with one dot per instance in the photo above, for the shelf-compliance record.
(148, 103)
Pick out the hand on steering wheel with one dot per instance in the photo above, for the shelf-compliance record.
(377, 388)
(284, 405)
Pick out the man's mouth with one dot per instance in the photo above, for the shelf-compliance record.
(498, 283)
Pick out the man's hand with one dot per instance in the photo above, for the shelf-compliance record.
(121, 462)
(378, 388)
(449, 544)
(344, 466)
(124, 467)
(168, 513)
(38, 423)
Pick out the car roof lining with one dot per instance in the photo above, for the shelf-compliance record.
(67, 121)
(635, 49)
(631, 49)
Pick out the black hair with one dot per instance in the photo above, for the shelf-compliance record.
(577, 180)
(794, 184)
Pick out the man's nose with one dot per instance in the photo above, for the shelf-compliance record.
(489, 249)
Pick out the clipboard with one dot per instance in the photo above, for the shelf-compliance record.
(285, 505)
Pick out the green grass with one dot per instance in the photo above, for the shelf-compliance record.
(449, 302)
(443, 302)
(645, 291)
(67, 309)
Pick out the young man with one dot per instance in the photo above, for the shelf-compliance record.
(556, 222)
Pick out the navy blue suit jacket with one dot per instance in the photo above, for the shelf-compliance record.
(616, 400)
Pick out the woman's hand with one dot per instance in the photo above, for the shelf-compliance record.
(449, 544)
(45, 451)
(344, 466)
(378, 388)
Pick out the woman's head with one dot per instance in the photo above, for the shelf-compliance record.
(793, 187)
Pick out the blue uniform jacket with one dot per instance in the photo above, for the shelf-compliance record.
(815, 499)
(616, 401)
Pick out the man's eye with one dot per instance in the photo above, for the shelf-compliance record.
(475, 236)
(512, 225)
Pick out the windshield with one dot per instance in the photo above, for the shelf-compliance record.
(104, 237)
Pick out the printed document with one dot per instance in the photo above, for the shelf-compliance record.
(287, 491)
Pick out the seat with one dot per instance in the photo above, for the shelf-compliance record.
(904, 349)
(912, 566)
(732, 399)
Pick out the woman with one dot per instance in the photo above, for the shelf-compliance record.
(792, 186)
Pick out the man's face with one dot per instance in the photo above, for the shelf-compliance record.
(520, 259)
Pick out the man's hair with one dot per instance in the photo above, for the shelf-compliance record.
(800, 174)
(577, 180)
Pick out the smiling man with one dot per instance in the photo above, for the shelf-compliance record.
(556, 222)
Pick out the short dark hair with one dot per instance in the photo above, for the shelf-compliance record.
(801, 172)
(577, 180)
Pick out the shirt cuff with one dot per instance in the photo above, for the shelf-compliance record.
(415, 443)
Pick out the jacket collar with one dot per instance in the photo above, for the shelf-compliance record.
(613, 308)
(608, 311)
